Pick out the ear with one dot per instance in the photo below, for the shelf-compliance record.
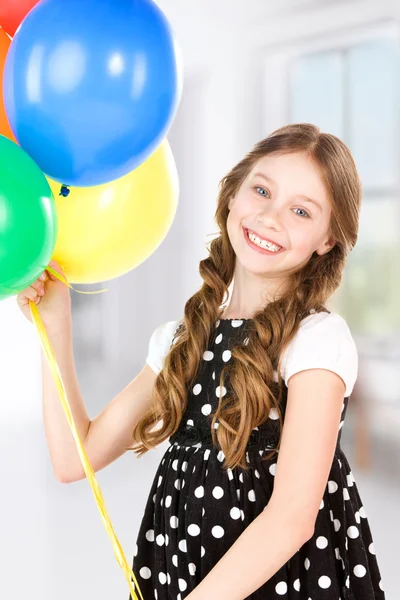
(324, 248)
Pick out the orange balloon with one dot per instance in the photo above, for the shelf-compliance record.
(5, 128)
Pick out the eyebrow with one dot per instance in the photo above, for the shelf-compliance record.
(306, 198)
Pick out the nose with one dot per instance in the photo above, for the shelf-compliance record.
(270, 217)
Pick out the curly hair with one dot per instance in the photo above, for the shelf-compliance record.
(253, 392)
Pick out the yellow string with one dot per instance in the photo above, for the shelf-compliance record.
(36, 318)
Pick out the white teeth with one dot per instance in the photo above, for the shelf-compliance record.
(254, 238)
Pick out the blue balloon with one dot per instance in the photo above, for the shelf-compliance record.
(91, 87)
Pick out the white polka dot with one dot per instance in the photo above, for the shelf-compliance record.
(206, 409)
(332, 487)
(199, 491)
(168, 578)
(208, 355)
(307, 563)
(217, 323)
(346, 495)
(272, 469)
(150, 535)
(324, 582)
(218, 492)
(322, 504)
(348, 582)
(220, 391)
(273, 414)
(182, 546)
(359, 570)
(281, 588)
(159, 481)
(217, 531)
(174, 522)
(236, 322)
(353, 532)
(221, 456)
(192, 568)
(251, 496)
(256, 473)
(145, 572)
(230, 474)
(321, 542)
(337, 553)
(166, 539)
(206, 454)
(218, 338)
(213, 375)
(226, 355)
(162, 577)
(184, 465)
(175, 560)
(350, 479)
(136, 549)
(381, 586)
(371, 548)
(357, 516)
(197, 389)
(363, 513)
(175, 464)
(235, 513)
(202, 552)
(238, 494)
(193, 529)
(296, 585)
(178, 483)
(155, 595)
(160, 539)
(337, 524)
(190, 422)
(242, 514)
(332, 518)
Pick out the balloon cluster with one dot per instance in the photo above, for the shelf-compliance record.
(88, 92)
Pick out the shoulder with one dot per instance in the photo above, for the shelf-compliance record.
(323, 340)
(160, 342)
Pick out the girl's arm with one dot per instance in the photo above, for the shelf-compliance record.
(309, 437)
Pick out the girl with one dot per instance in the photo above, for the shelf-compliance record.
(254, 497)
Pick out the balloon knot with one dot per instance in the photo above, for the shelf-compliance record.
(64, 191)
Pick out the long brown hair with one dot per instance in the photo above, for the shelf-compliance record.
(251, 367)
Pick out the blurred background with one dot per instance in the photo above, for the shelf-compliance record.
(250, 67)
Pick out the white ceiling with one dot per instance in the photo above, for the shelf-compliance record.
(204, 27)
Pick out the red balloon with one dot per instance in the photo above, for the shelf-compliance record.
(13, 12)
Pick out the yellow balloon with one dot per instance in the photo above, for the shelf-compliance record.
(107, 230)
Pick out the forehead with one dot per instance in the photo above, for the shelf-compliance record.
(296, 173)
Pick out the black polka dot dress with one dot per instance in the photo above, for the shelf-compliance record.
(196, 509)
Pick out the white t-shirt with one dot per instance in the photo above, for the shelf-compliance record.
(323, 341)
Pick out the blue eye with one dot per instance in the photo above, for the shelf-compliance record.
(306, 213)
(258, 187)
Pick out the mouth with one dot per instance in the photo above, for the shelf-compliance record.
(258, 244)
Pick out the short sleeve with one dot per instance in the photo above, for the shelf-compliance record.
(323, 341)
(160, 343)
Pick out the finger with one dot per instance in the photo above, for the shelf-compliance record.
(30, 293)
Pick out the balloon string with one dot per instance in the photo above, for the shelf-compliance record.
(121, 559)
(63, 280)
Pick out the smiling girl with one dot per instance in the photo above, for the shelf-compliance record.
(254, 497)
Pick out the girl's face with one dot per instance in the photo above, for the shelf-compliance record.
(272, 204)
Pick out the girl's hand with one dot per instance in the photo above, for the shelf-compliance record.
(52, 295)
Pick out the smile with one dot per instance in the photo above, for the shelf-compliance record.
(260, 245)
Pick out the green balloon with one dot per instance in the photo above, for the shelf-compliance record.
(28, 220)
